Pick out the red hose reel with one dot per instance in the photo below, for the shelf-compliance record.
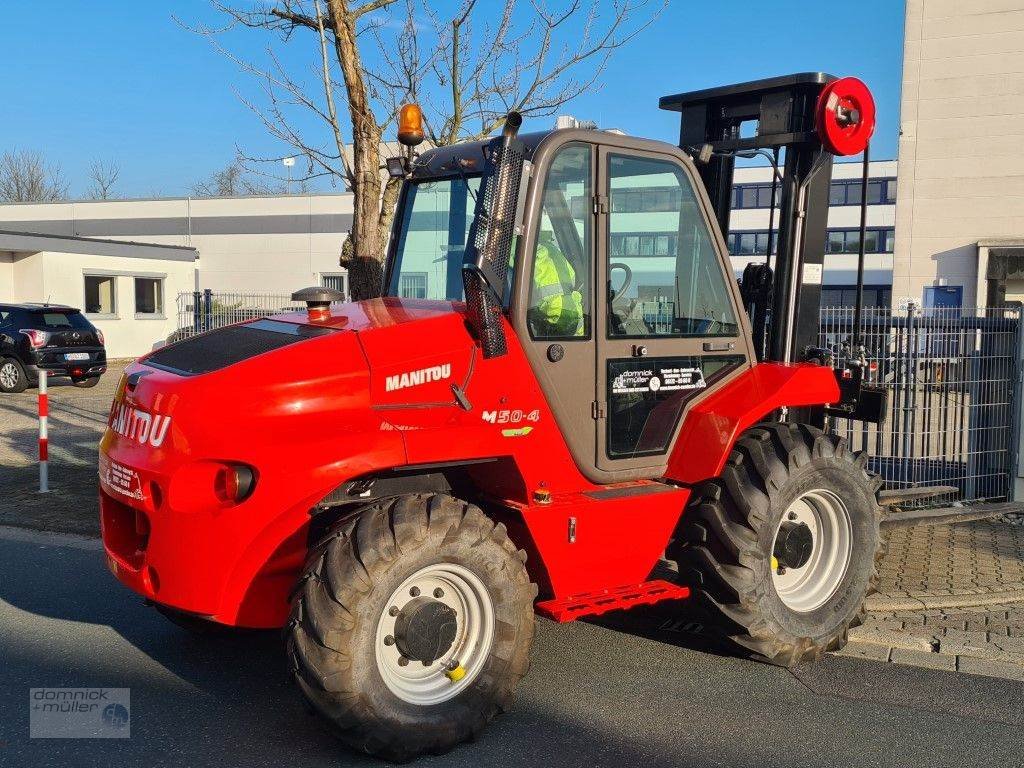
(845, 116)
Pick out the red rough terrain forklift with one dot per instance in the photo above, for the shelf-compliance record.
(559, 394)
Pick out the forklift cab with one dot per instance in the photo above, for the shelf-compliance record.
(617, 286)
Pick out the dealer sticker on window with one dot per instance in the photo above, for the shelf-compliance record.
(664, 380)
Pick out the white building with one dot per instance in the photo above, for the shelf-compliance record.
(961, 208)
(124, 288)
(274, 244)
(748, 238)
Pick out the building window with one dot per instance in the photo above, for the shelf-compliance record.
(337, 281)
(750, 243)
(413, 285)
(649, 200)
(149, 296)
(842, 192)
(875, 296)
(753, 196)
(643, 244)
(876, 240)
(100, 294)
(847, 192)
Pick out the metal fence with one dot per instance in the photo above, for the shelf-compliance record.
(200, 311)
(952, 376)
(953, 411)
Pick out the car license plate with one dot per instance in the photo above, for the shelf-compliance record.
(75, 356)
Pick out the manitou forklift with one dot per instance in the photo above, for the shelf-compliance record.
(557, 392)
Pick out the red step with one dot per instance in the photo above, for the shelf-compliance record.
(615, 599)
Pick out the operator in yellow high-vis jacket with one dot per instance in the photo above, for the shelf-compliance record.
(556, 304)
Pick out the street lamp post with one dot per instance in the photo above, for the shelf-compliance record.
(288, 163)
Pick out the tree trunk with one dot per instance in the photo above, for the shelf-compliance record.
(364, 262)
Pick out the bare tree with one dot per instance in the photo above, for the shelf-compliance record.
(103, 176)
(467, 71)
(234, 180)
(26, 177)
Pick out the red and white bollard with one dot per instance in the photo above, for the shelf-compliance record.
(44, 413)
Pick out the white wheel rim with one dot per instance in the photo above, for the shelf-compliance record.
(809, 587)
(464, 593)
(8, 375)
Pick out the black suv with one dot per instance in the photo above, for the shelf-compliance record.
(49, 336)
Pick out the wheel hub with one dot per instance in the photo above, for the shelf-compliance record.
(8, 375)
(793, 544)
(812, 550)
(425, 630)
(434, 634)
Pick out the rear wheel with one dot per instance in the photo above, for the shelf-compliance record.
(12, 376)
(785, 544)
(411, 625)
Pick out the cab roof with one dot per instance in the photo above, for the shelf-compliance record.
(469, 156)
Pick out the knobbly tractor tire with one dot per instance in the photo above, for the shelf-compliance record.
(411, 625)
(785, 544)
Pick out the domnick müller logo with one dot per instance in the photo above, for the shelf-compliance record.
(79, 713)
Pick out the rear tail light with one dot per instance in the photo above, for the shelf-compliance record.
(208, 486)
(36, 339)
(100, 338)
(233, 483)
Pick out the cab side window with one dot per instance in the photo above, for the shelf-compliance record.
(665, 278)
(559, 306)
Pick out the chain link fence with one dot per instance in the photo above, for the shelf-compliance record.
(952, 377)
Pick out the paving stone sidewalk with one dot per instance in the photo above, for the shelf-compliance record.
(77, 419)
(951, 597)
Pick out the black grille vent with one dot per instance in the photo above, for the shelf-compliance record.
(491, 238)
(227, 346)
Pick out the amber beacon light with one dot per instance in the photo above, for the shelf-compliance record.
(410, 125)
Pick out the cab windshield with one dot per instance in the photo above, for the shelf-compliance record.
(432, 234)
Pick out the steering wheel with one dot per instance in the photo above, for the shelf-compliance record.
(613, 294)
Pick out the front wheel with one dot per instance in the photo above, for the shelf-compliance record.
(12, 376)
(412, 625)
(785, 544)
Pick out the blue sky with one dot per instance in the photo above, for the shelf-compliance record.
(120, 80)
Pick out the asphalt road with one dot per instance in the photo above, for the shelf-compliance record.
(622, 694)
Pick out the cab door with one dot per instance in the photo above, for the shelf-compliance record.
(556, 292)
(667, 325)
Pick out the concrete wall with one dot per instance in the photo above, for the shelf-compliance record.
(273, 244)
(961, 171)
(60, 278)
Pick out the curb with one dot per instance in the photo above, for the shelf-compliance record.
(928, 602)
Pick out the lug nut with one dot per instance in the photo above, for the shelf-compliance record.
(792, 515)
(402, 661)
(415, 591)
(389, 640)
(438, 593)
(393, 610)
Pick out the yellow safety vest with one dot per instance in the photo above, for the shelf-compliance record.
(556, 302)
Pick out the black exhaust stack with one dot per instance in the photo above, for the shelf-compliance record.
(491, 237)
